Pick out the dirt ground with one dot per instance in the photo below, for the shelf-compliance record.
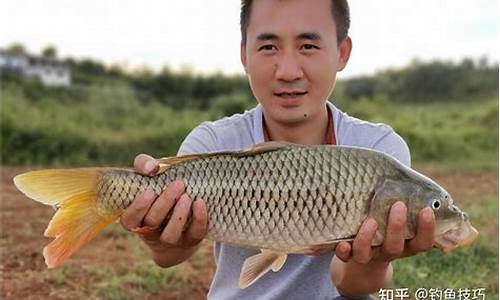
(25, 276)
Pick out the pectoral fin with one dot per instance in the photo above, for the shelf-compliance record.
(278, 262)
(256, 266)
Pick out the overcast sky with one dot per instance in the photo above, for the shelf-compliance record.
(205, 34)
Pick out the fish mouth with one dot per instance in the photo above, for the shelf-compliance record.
(458, 237)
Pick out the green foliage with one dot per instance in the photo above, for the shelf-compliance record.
(16, 48)
(446, 112)
(107, 126)
(227, 105)
(436, 80)
(107, 123)
(49, 51)
(180, 90)
(461, 134)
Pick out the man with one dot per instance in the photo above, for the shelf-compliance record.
(291, 51)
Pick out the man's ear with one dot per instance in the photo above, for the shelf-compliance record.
(344, 53)
(243, 55)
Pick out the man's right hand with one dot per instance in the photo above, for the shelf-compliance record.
(172, 241)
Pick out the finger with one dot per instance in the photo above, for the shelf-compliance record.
(145, 164)
(132, 217)
(173, 231)
(343, 251)
(395, 234)
(362, 245)
(163, 204)
(198, 228)
(424, 239)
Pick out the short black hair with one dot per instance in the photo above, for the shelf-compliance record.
(339, 9)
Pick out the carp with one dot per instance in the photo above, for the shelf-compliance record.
(278, 197)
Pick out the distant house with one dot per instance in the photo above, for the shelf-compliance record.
(50, 71)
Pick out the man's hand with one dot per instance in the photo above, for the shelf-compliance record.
(361, 269)
(394, 245)
(174, 241)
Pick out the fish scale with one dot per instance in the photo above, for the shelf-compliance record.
(308, 200)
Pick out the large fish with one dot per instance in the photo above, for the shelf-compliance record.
(281, 198)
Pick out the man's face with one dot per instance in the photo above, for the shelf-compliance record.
(291, 57)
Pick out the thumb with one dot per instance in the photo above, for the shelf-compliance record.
(145, 164)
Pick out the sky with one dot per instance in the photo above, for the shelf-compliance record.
(204, 35)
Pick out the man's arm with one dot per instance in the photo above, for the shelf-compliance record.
(170, 243)
(359, 269)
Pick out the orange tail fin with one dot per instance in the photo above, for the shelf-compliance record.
(77, 220)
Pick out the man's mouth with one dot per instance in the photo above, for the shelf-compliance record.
(290, 94)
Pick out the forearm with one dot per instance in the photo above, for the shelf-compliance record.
(355, 280)
(168, 257)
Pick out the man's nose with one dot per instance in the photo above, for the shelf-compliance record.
(288, 68)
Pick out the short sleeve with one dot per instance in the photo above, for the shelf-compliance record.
(393, 144)
(202, 139)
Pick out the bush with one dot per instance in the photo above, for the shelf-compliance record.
(110, 127)
(227, 105)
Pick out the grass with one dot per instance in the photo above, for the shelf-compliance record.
(484, 215)
(473, 267)
(129, 273)
(109, 125)
(130, 279)
(59, 276)
(104, 128)
(459, 135)
(146, 278)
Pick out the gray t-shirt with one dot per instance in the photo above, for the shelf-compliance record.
(302, 277)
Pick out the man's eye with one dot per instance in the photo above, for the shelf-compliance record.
(267, 48)
(309, 47)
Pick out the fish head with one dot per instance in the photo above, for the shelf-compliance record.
(453, 227)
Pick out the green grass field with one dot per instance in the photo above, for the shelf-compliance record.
(110, 126)
(453, 142)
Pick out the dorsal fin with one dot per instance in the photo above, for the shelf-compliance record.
(263, 148)
(166, 163)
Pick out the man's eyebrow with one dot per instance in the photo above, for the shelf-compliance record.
(267, 36)
(314, 36)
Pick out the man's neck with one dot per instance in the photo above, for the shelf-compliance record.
(310, 132)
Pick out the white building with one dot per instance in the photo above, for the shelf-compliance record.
(49, 71)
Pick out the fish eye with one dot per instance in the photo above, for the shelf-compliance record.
(436, 204)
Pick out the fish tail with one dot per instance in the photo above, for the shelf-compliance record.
(77, 220)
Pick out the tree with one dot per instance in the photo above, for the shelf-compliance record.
(49, 52)
(17, 48)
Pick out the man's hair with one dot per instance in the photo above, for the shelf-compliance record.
(339, 10)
